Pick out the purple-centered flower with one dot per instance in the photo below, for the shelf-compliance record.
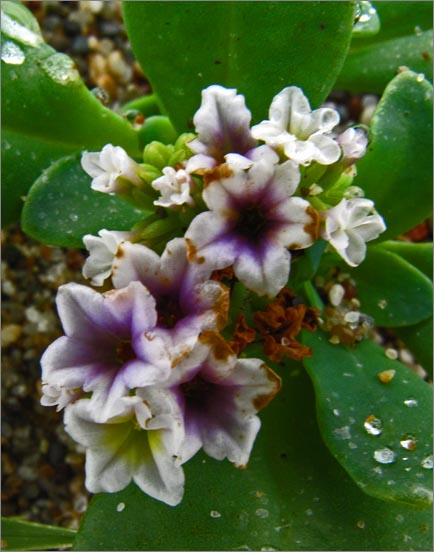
(223, 126)
(187, 301)
(251, 223)
(141, 443)
(220, 396)
(109, 346)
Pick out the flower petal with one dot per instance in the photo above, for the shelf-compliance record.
(327, 150)
(264, 271)
(349, 224)
(222, 123)
(102, 251)
(355, 252)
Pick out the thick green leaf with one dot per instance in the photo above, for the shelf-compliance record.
(404, 39)
(292, 496)
(381, 433)
(419, 339)
(418, 254)
(23, 160)
(61, 207)
(396, 172)
(44, 103)
(391, 290)
(370, 68)
(256, 47)
(18, 534)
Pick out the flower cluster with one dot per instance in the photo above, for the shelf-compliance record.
(144, 372)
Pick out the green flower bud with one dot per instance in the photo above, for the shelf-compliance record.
(157, 154)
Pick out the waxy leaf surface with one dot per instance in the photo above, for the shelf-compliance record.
(19, 534)
(257, 47)
(47, 111)
(391, 290)
(61, 207)
(381, 433)
(396, 172)
(419, 255)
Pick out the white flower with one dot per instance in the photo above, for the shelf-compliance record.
(349, 225)
(299, 131)
(141, 443)
(223, 126)
(111, 169)
(99, 265)
(175, 187)
(353, 142)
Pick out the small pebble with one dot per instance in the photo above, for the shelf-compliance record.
(386, 376)
(336, 294)
(10, 334)
(391, 353)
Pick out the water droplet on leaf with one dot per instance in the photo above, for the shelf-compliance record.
(427, 462)
(373, 425)
(120, 507)
(408, 442)
(411, 403)
(367, 20)
(385, 456)
(342, 432)
(61, 69)
(215, 514)
(12, 54)
(262, 513)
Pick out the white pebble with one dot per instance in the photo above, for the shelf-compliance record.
(336, 294)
